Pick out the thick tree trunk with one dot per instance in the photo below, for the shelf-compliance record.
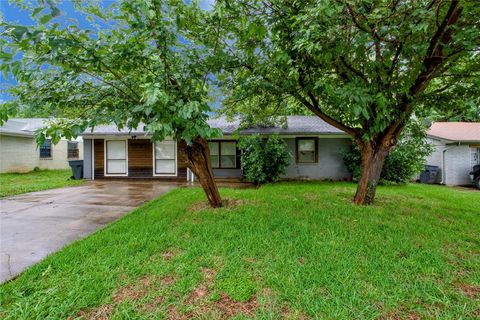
(196, 156)
(372, 160)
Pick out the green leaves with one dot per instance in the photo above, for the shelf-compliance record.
(135, 69)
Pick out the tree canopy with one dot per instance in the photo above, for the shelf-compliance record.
(146, 62)
(141, 61)
(365, 67)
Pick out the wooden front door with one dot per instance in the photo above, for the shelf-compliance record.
(140, 157)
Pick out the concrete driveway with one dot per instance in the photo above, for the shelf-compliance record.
(36, 224)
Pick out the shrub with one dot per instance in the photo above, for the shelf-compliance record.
(405, 160)
(263, 160)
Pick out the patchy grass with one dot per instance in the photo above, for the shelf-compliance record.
(287, 250)
(17, 183)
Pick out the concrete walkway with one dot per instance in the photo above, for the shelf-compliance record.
(36, 224)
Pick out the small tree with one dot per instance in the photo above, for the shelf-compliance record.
(263, 160)
(139, 62)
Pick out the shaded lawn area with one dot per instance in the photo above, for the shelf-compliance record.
(287, 250)
(17, 183)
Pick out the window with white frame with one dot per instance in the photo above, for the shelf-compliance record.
(116, 157)
(165, 157)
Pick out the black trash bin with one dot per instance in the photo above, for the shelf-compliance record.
(429, 174)
(77, 169)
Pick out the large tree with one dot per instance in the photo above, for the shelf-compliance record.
(138, 62)
(363, 66)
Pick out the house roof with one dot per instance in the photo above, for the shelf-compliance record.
(296, 125)
(456, 131)
(22, 126)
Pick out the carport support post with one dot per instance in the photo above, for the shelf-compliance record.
(196, 156)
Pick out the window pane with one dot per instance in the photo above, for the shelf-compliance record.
(46, 149)
(306, 145)
(213, 146)
(116, 166)
(228, 161)
(306, 156)
(72, 145)
(214, 161)
(165, 166)
(228, 149)
(116, 150)
(165, 149)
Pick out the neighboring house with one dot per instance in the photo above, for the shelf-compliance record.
(457, 150)
(316, 149)
(19, 151)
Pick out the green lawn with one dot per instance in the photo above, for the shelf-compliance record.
(17, 183)
(287, 250)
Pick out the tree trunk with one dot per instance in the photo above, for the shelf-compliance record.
(196, 156)
(372, 160)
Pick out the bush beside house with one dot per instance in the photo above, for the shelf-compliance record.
(263, 160)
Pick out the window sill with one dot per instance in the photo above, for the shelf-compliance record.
(46, 158)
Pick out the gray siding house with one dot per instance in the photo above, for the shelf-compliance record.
(316, 149)
(456, 150)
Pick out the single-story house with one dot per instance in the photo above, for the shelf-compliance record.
(20, 152)
(316, 149)
(457, 150)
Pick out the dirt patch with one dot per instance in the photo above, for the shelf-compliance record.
(288, 314)
(400, 314)
(133, 291)
(228, 204)
(100, 313)
(230, 308)
(168, 281)
(470, 291)
(167, 255)
(152, 305)
(199, 293)
(173, 314)
(209, 274)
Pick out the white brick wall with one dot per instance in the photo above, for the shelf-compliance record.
(20, 154)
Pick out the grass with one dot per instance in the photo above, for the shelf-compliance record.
(287, 250)
(16, 183)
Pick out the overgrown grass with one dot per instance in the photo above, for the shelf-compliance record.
(287, 250)
(17, 183)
